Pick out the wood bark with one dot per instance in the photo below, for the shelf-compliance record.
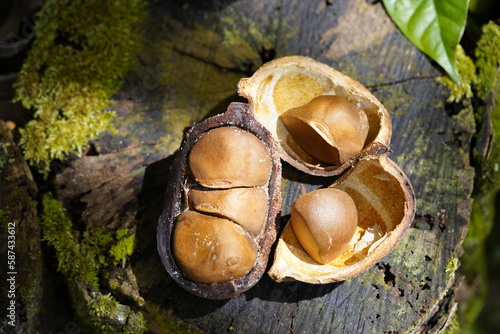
(193, 57)
(23, 277)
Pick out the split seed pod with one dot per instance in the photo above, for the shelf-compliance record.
(222, 202)
(293, 82)
(215, 245)
(292, 97)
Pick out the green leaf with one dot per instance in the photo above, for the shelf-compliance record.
(434, 26)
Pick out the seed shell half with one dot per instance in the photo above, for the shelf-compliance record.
(385, 201)
(292, 82)
(237, 115)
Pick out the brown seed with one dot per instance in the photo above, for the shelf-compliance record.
(230, 157)
(210, 249)
(329, 128)
(244, 206)
(324, 221)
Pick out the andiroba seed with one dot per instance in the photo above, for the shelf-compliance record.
(324, 222)
(329, 128)
(245, 206)
(210, 249)
(228, 157)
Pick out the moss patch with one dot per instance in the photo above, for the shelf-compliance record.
(77, 259)
(82, 50)
(488, 58)
(168, 322)
(487, 180)
(80, 259)
(467, 73)
(110, 316)
(102, 305)
(124, 247)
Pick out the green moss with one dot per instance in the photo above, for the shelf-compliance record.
(488, 88)
(120, 233)
(467, 72)
(114, 284)
(81, 259)
(136, 324)
(82, 51)
(123, 248)
(453, 326)
(76, 260)
(168, 322)
(97, 237)
(110, 316)
(102, 305)
(487, 181)
(452, 266)
(488, 57)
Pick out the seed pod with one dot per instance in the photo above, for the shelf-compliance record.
(292, 82)
(385, 202)
(209, 244)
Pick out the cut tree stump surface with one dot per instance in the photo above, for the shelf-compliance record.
(193, 57)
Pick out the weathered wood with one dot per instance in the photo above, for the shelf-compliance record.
(21, 251)
(193, 57)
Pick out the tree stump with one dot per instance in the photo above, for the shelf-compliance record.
(193, 57)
